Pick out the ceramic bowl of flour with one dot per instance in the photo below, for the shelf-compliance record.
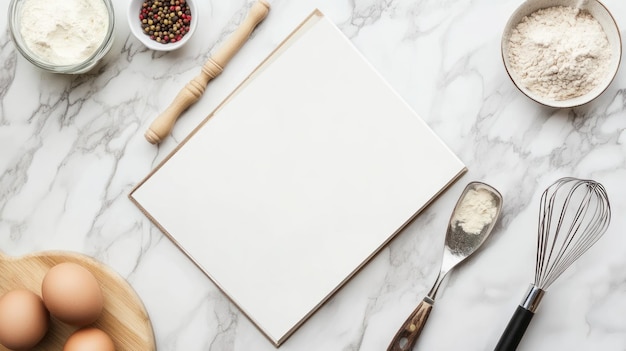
(69, 36)
(561, 53)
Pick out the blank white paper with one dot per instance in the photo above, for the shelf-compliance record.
(298, 179)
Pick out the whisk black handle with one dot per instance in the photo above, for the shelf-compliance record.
(515, 330)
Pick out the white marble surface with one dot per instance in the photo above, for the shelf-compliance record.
(72, 147)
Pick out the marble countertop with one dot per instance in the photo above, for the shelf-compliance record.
(72, 148)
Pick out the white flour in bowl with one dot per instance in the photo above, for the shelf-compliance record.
(559, 52)
(64, 32)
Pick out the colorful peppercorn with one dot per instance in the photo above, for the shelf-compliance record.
(165, 21)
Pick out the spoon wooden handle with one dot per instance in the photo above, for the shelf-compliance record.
(412, 328)
(163, 124)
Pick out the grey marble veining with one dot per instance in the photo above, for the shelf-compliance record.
(72, 147)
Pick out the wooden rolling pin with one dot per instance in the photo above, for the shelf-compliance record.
(163, 124)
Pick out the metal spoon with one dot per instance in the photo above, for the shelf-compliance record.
(472, 220)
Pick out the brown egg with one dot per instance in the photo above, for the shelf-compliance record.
(72, 294)
(89, 339)
(23, 320)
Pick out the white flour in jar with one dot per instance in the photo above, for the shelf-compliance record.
(559, 52)
(65, 32)
(477, 210)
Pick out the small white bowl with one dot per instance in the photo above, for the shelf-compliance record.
(600, 13)
(134, 23)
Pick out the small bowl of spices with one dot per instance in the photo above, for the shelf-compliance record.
(69, 36)
(162, 25)
(562, 53)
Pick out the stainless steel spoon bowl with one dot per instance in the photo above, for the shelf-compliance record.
(472, 220)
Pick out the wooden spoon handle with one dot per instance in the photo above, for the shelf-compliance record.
(412, 328)
(191, 93)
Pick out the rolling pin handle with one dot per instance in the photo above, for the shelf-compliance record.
(192, 91)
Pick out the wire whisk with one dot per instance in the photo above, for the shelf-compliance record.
(573, 215)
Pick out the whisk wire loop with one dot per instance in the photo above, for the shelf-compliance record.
(568, 250)
(573, 214)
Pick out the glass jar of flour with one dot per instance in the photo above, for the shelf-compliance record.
(69, 36)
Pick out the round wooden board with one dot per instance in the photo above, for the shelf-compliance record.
(124, 316)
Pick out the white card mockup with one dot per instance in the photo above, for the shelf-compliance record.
(297, 179)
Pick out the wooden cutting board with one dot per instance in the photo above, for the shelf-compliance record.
(124, 316)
